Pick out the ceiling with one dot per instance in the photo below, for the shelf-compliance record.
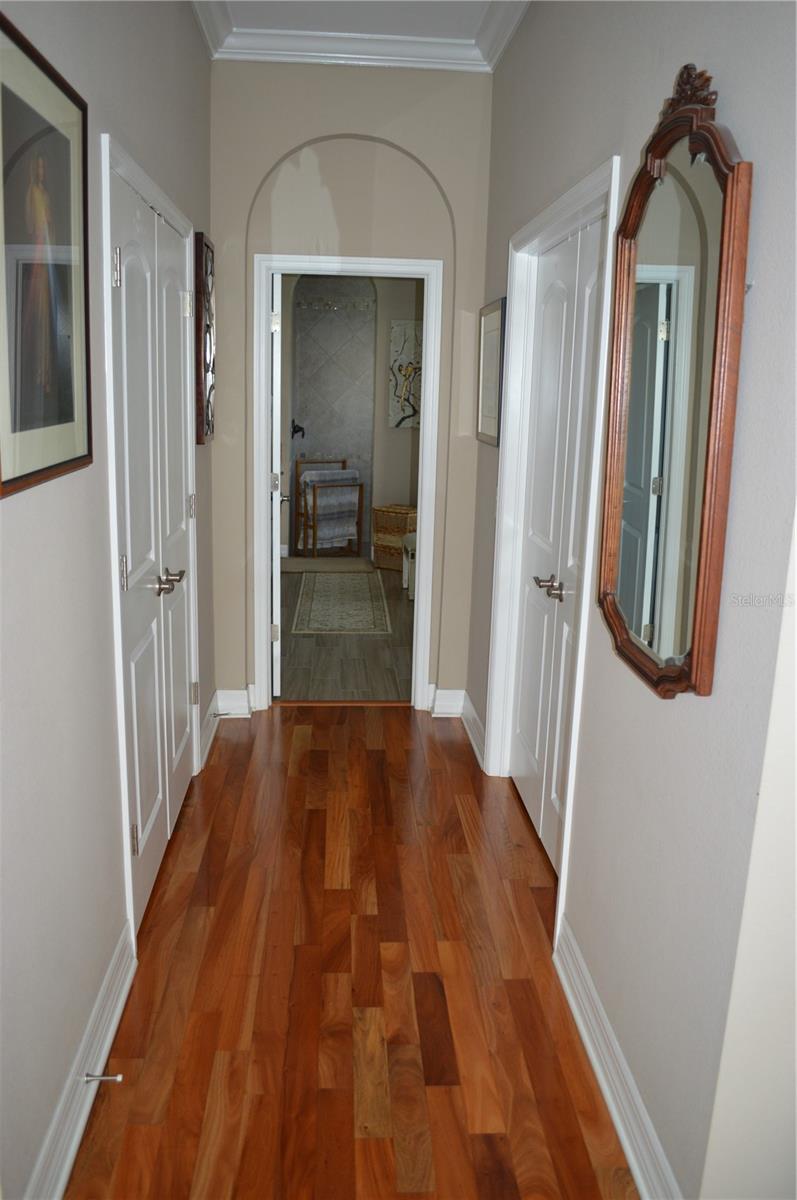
(435, 34)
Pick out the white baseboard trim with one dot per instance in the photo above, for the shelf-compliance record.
(474, 729)
(649, 1165)
(60, 1146)
(448, 702)
(233, 703)
(210, 723)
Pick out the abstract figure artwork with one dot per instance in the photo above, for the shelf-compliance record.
(404, 391)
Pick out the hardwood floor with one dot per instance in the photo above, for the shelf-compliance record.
(345, 987)
(346, 666)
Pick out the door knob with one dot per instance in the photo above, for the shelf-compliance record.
(284, 499)
(174, 576)
(161, 587)
(556, 591)
(544, 583)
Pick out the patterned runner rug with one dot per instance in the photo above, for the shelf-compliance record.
(342, 602)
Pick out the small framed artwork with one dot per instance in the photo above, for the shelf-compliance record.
(45, 401)
(492, 322)
(205, 349)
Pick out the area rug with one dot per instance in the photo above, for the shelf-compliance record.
(340, 564)
(351, 602)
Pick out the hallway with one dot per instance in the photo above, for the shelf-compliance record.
(345, 986)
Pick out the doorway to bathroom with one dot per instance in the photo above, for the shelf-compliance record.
(346, 377)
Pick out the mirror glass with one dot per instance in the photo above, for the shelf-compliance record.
(674, 318)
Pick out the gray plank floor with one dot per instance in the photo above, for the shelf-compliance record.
(347, 666)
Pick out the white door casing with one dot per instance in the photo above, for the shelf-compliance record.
(147, 412)
(594, 199)
(264, 552)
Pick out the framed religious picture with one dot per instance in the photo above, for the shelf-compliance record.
(205, 340)
(492, 321)
(45, 406)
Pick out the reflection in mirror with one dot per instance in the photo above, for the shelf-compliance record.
(677, 267)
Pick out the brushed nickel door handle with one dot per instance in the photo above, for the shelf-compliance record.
(174, 576)
(556, 591)
(161, 587)
(544, 583)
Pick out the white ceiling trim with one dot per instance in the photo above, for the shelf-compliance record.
(225, 41)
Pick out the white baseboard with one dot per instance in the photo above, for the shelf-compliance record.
(652, 1172)
(210, 723)
(448, 702)
(232, 703)
(474, 729)
(60, 1146)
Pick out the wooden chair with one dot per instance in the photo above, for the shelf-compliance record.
(299, 514)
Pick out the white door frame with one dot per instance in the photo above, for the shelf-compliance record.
(118, 161)
(593, 197)
(431, 272)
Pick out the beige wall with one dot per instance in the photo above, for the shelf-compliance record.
(395, 450)
(351, 194)
(665, 790)
(143, 71)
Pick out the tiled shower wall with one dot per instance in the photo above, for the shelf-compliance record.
(333, 376)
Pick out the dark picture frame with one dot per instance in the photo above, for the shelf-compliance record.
(45, 386)
(492, 334)
(205, 340)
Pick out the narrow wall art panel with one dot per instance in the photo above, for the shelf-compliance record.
(404, 393)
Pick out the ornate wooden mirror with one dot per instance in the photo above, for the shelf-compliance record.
(678, 302)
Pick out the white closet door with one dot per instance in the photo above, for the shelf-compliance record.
(134, 302)
(579, 415)
(562, 399)
(276, 471)
(175, 447)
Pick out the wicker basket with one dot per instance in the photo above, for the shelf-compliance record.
(390, 523)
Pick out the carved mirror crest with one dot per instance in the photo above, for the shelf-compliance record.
(678, 304)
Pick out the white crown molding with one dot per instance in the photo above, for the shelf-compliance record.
(226, 41)
(500, 22)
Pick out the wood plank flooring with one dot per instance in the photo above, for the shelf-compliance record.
(345, 987)
(348, 667)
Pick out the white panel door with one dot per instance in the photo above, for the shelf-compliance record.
(175, 447)
(276, 472)
(552, 355)
(562, 399)
(580, 414)
(133, 230)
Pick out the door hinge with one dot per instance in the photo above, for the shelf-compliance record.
(276, 323)
(657, 485)
(664, 331)
(188, 304)
(275, 481)
(116, 273)
(192, 507)
(647, 633)
(134, 841)
(195, 693)
(123, 571)
(275, 633)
